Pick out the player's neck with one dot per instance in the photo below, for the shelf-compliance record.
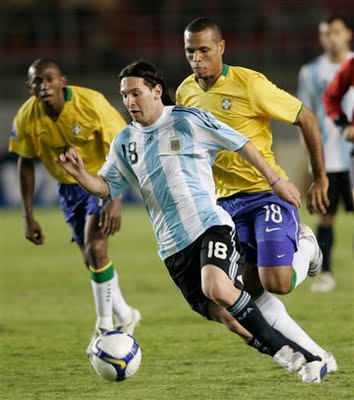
(338, 57)
(208, 82)
(54, 110)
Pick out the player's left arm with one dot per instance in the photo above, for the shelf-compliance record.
(317, 197)
(286, 190)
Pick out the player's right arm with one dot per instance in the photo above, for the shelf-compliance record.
(73, 164)
(26, 171)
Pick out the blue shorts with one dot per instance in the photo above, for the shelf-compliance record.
(77, 205)
(267, 227)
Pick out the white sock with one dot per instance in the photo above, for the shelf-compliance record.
(302, 259)
(274, 311)
(120, 308)
(102, 293)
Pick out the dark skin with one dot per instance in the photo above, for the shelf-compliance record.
(47, 84)
(204, 51)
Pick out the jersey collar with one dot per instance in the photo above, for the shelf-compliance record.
(68, 93)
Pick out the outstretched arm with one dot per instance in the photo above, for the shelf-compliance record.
(282, 188)
(317, 198)
(72, 163)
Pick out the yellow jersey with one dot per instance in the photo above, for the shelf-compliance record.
(245, 100)
(87, 122)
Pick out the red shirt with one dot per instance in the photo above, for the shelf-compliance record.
(336, 90)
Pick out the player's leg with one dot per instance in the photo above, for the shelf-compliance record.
(108, 296)
(339, 187)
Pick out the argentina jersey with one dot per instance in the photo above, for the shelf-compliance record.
(314, 79)
(170, 164)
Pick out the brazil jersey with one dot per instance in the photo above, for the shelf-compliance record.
(87, 122)
(169, 163)
(245, 100)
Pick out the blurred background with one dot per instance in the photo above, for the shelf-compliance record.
(94, 39)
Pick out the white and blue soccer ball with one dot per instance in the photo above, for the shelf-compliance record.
(115, 356)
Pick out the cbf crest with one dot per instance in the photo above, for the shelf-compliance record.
(226, 104)
(174, 143)
(76, 129)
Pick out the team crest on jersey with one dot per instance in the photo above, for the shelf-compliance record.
(226, 104)
(76, 129)
(175, 144)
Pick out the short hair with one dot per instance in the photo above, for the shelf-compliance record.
(201, 23)
(337, 17)
(152, 77)
(40, 62)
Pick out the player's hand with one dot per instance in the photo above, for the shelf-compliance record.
(317, 196)
(33, 231)
(110, 217)
(287, 191)
(348, 133)
(71, 162)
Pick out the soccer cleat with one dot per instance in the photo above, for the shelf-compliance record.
(313, 372)
(325, 283)
(98, 332)
(132, 324)
(317, 259)
(288, 359)
(331, 362)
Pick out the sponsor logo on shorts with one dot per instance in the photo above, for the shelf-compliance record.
(280, 255)
(272, 229)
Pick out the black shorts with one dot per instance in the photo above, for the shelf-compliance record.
(339, 188)
(218, 246)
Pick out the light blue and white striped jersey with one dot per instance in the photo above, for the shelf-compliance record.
(170, 164)
(314, 78)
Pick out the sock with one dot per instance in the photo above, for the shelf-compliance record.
(248, 315)
(309, 356)
(101, 283)
(276, 315)
(302, 259)
(325, 237)
(120, 308)
(256, 344)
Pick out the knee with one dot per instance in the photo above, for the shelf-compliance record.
(94, 253)
(213, 290)
(276, 280)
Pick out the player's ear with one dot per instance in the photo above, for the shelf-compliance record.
(64, 80)
(158, 91)
(222, 46)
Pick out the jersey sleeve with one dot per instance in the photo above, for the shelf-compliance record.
(332, 97)
(214, 135)
(112, 174)
(268, 101)
(20, 143)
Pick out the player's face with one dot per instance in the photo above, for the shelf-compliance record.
(143, 102)
(204, 52)
(47, 84)
(335, 37)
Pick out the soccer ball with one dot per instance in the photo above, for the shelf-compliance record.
(115, 356)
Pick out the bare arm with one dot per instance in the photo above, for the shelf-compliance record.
(72, 163)
(317, 198)
(282, 188)
(33, 231)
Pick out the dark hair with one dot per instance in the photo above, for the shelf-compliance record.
(338, 17)
(40, 62)
(201, 23)
(150, 74)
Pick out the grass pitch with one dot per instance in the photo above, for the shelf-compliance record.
(47, 317)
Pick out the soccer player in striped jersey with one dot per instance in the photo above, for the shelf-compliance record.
(167, 154)
(314, 77)
(57, 117)
(267, 226)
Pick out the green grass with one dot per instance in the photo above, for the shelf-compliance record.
(47, 319)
